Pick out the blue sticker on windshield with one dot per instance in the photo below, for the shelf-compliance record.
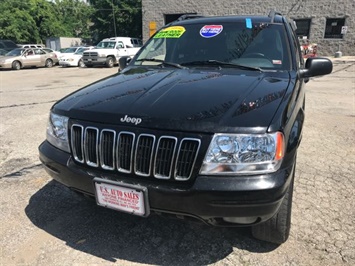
(248, 23)
(209, 31)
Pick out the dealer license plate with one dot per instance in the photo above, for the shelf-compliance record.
(125, 198)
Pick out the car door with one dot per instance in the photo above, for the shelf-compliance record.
(41, 57)
(122, 49)
(29, 58)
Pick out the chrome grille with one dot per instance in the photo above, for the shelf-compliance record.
(164, 157)
(91, 144)
(107, 149)
(125, 151)
(144, 153)
(90, 54)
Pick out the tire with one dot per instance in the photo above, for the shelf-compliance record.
(49, 63)
(16, 65)
(109, 62)
(81, 63)
(277, 229)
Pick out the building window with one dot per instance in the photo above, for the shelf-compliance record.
(303, 27)
(333, 28)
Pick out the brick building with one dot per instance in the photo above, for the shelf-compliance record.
(329, 23)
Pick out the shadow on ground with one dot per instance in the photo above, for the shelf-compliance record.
(112, 235)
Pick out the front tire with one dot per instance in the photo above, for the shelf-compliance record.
(81, 63)
(49, 63)
(109, 62)
(16, 65)
(277, 229)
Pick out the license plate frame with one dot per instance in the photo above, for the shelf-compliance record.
(132, 199)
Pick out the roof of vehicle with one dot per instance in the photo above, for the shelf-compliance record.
(117, 38)
(277, 18)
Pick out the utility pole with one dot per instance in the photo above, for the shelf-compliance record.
(114, 20)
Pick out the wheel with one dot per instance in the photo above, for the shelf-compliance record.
(277, 229)
(16, 65)
(109, 62)
(81, 63)
(49, 63)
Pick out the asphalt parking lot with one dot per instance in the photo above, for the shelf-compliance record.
(43, 223)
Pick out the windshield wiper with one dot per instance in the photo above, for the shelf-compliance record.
(221, 63)
(163, 62)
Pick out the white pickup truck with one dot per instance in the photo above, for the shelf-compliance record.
(108, 51)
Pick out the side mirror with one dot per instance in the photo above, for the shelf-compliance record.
(316, 66)
(123, 62)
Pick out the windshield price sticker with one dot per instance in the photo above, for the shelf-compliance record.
(171, 32)
(120, 198)
(209, 31)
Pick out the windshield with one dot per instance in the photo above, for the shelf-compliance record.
(258, 45)
(15, 52)
(70, 50)
(106, 44)
(81, 50)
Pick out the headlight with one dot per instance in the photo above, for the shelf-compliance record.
(235, 154)
(57, 131)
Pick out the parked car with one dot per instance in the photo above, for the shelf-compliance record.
(75, 59)
(204, 122)
(7, 45)
(110, 50)
(27, 57)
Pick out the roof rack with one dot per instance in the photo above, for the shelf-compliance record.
(189, 16)
(272, 15)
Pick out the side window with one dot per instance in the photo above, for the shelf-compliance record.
(29, 52)
(39, 51)
(156, 49)
(120, 45)
(297, 47)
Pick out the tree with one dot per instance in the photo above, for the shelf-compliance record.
(75, 16)
(16, 23)
(116, 18)
(33, 21)
(47, 21)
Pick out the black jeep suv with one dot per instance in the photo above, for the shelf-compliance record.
(203, 122)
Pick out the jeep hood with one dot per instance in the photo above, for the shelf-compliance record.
(196, 100)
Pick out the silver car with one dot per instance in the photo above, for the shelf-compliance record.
(21, 58)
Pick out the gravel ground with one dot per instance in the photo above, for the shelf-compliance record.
(43, 223)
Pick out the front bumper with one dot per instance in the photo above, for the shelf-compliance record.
(208, 198)
(68, 63)
(95, 61)
(6, 65)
